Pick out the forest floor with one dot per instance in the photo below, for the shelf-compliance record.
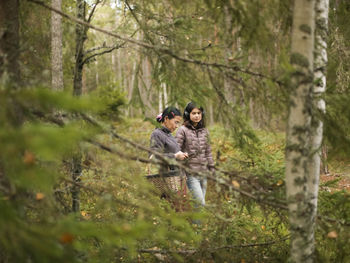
(339, 176)
(339, 182)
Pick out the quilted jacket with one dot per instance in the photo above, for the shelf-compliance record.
(196, 143)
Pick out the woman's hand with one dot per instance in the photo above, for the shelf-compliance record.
(181, 155)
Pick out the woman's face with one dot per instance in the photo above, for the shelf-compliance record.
(173, 123)
(196, 116)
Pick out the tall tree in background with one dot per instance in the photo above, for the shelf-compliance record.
(9, 39)
(299, 181)
(56, 47)
(80, 38)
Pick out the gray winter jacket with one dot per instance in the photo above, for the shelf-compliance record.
(164, 142)
(196, 143)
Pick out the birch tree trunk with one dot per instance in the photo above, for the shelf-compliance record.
(56, 47)
(298, 145)
(165, 93)
(97, 77)
(320, 64)
(160, 101)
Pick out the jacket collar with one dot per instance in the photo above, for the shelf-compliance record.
(190, 126)
(165, 130)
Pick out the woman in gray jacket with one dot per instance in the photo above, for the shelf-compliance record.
(193, 139)
(163, 142)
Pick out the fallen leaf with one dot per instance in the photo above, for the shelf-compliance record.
(66, 238)
(235, 183)
(39, 196)
(28, 158)
(332, 234)
(223, 159)
(85, 214)
(279, 182)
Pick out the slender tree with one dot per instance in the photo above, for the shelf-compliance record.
(321, 34)
(56, 47)
(299, 180)
(9, 39)
(320, 64)
(80, 38)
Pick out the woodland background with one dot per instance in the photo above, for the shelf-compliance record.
(80, 86)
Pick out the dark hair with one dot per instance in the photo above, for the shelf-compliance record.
(169, 112)
(188, 109)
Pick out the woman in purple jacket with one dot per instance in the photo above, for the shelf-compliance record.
(193, 139)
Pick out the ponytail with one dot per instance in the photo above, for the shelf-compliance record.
(169, 112)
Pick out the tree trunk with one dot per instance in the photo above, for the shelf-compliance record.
(229, 88)
(211, 113)
(9, 70)
(80, 37)
(165, 94)
(160, 101)
(9, 40)
(320, 64)
(145, 88)
(97, 78)
(56, 47)
(131, 86)
(298, 145)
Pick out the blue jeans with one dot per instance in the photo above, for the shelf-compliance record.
(197, 187)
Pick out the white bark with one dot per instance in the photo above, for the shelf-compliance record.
(165, 94)
(160, 102)
(56, 47)
(320, 63)
(298, 148)
(131, 86)
(114, 67)
(97, 76)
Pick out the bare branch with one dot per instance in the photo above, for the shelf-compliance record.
(102, 47)
(87, 60)
(93, 10)
(156, 48)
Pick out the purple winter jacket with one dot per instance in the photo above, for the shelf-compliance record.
(196, 143)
